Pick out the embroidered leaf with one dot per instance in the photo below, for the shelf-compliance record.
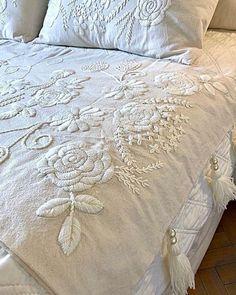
(219, 86)
(210, 88)
(88, 204)
(54, 207)
(69, 236)
(8, 115)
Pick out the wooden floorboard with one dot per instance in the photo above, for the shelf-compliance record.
(217, 272)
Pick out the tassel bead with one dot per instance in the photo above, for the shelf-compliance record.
(173, 241)
(181, 274)
(223, 188)
(172, 233)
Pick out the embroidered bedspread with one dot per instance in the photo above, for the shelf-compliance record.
(98, 153)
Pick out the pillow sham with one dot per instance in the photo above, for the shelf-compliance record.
(225, 15)
(156, 28)
(21, 19)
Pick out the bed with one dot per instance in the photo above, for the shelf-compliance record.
(55, 98)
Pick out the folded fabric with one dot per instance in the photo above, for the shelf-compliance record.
(21, 19)
(224, 17)
(156, 28)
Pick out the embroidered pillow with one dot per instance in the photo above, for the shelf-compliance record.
(21, 19)
(225, 15)
(156, 28)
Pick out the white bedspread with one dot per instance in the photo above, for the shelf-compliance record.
(106, 130)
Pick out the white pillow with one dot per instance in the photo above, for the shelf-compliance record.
(225, 15)
(21, 19)
(156, 28)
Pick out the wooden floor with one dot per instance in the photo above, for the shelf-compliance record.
(217, 273)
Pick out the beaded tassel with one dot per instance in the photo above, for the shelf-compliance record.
(223, 188)
(181, 273)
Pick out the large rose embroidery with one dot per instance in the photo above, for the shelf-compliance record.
(153, 122)
(177, 83)
(77, 167)
(135, 118)
(151, 12)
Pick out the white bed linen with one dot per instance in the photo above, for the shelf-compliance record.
(195, 226)
(13, 280)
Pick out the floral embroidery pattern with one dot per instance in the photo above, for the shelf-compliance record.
(56, 91)
(152, 121)
(128, 89)
(155, 123)
(79, 119)
(151, 12)
(95, 15)
(74, 168)
(62, 93)
(177, 83)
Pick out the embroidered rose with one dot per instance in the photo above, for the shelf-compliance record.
(151, 12)
(136, 118)
(177, 83)
(128, 89)
(61, 93)
(77, 167)
(79, 120)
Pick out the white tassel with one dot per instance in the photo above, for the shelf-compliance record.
(181, 273)
(223, 188)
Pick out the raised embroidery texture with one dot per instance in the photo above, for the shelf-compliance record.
(79, 120)
(94, 15)
(151, 12)
(74, 168)
(177, 83)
